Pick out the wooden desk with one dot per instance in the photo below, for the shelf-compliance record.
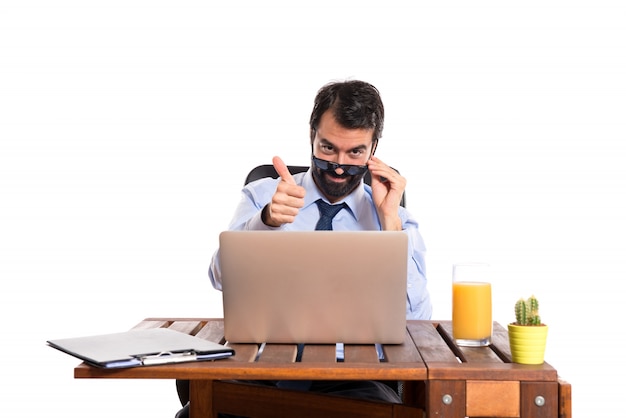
(441, 378)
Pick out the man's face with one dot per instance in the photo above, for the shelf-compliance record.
(339, 145)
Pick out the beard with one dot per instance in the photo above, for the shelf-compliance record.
(333, 189)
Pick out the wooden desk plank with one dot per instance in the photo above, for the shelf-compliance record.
(149, 324)
(245, 353)
(486, 371)
(429, 342)
(402, 353)
(240, 370)
(279, 353)
(470, 354)
(213, 330)
(190, 327)
(325, 353)
(358, 353)
(500, 340)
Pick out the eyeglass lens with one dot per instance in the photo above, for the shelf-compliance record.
(349, 169)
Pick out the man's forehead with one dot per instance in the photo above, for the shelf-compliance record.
(331, 131)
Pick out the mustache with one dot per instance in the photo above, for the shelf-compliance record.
(332, 173)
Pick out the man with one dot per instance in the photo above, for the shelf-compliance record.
(345, 127)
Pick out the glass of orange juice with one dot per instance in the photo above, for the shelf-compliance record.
(471, 305)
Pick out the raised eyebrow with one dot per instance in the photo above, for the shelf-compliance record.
(326, 142)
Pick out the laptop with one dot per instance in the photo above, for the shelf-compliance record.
(314, 286)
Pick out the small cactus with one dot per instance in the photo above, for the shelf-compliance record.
(527, 311)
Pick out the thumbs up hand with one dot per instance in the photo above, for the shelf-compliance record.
(287, 200)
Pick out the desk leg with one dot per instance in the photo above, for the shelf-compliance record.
(540, 399)
(565, 399)
(200, 399)
(414, 393)
(445, 398)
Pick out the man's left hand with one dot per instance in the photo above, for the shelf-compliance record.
(387, 190)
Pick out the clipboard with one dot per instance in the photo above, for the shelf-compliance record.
(141, 347)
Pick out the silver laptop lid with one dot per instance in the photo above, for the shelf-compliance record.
(314, 286)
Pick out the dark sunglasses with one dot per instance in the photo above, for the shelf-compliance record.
(348, 169)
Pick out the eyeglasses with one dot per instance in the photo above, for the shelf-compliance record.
(348, 169)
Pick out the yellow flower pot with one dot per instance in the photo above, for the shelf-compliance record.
(528, 343)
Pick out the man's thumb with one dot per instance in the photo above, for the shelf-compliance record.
(282, 170)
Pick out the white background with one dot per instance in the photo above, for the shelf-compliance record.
(127, 127)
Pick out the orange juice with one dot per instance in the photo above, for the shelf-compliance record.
(471, 312)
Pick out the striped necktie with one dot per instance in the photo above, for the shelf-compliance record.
(327, 213)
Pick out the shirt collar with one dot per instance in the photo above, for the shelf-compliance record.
(354, 200)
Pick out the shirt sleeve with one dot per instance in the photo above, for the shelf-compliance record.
(247, 217)
(418, 305)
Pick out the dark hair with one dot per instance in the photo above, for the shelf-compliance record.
(354, 104)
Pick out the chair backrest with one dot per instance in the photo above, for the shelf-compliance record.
(268, 170)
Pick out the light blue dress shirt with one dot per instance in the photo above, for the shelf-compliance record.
(360, 216)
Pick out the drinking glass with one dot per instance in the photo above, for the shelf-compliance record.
(471, 305)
